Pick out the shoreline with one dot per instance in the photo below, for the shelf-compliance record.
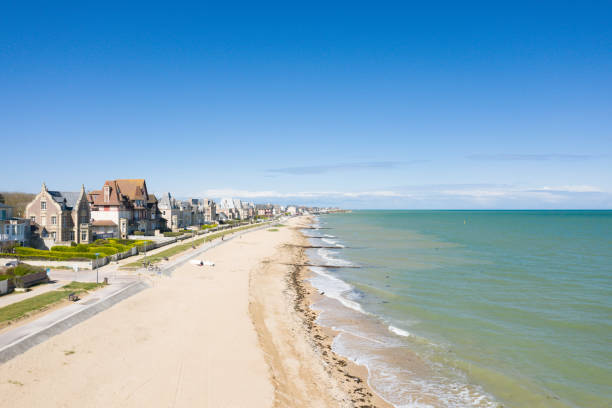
(287, 330)
(239, 334)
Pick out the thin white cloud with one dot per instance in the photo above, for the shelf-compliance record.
(326, 168)
(531, 157)
(570, 189)
(486, 192)
(218, 193)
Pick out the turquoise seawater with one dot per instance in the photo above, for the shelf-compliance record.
(472, 308)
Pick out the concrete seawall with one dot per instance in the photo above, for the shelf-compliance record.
(21, 339)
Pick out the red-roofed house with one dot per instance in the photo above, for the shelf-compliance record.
(127, 204)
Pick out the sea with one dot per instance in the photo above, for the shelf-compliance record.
(471, 308)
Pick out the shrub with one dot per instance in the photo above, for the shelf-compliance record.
(25, 269)
(106, 247)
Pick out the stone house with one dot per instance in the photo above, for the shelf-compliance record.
(170, 211)
(59, 217)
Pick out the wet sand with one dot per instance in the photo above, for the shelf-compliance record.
(305, 371)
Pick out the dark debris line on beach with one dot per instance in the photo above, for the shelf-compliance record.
(315, 246)
(312, 228)
(360, 396)
(323, 266)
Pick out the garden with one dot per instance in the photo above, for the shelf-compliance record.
(103, 247)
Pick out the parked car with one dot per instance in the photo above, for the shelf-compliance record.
(12, 263)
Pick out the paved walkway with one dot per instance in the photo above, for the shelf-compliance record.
(21, 338)
(122, 285)
(36, 290)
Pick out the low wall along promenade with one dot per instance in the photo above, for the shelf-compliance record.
(158, 242)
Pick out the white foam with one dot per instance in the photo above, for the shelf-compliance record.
(329, 260)
(399, 331)
(331, 242)
(334, 288)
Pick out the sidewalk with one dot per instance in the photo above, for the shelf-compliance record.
(21, 338)
(36, 290)
(123, 285)
(140, 257)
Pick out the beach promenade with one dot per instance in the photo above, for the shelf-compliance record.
(222, 336)
(187, 341)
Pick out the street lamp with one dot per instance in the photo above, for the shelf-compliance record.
(97, 255)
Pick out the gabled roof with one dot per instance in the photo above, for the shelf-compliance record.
(67, 199)
(96, 197)
(166, 201)
(134, 189)
(122, 191)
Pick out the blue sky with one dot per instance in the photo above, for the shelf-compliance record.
(362, 105)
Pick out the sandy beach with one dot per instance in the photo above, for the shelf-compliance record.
(238, 334)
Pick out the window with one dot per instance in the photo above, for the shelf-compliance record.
(43, 220)
(43, 205)
(84, 217)
(53, 220)
(33, 218)
(83, 236)
(71, 235)
(53, 235)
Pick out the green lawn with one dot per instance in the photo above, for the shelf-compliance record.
(36, 303)
(76, 286)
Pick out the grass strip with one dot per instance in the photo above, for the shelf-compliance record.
(184, 247)
(42, 301)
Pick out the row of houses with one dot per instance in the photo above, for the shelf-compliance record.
(119, 209)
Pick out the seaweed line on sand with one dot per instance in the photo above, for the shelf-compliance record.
(321, 338)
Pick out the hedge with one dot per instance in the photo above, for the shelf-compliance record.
(103, 247)
(172, 234)
(52, 255)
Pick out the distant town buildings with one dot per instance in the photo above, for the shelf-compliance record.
(121, 208)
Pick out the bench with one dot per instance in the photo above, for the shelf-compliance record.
(73, 297)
